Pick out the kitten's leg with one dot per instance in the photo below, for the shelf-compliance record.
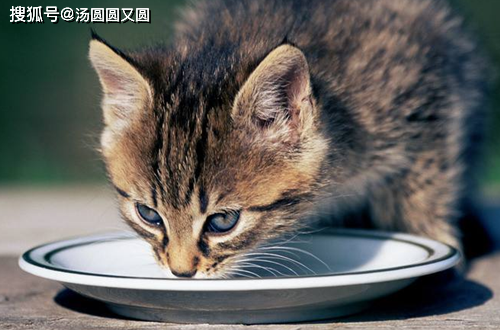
(421, 200)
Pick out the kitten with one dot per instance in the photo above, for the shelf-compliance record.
(262, 115)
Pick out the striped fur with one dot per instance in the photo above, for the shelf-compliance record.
(290, 110)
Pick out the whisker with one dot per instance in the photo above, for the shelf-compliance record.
(282, 251)
(301, 251)
(276, 263)
(274, 255)
(272, 271)
(235, 272)
(248, 272)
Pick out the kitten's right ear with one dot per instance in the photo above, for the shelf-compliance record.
(276, 100)
(126, 92)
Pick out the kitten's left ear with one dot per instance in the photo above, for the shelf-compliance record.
(276, 99)
(126, 92)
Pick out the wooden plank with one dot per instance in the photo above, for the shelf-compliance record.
(442, 301)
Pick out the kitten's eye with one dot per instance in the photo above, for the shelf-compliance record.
(148, 214)
(222, 222)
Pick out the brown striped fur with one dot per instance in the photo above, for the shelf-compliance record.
(288, 110)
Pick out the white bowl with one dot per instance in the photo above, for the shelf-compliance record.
(342, 272)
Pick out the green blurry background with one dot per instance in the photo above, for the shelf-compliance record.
(50, 117)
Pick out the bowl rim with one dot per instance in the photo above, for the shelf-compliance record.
(441, 256)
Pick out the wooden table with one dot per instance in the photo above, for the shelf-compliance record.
(441, 301)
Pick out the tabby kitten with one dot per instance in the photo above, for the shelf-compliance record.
(262, 115)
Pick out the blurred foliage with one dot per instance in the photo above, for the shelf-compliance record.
(482, 17)
(50, 117)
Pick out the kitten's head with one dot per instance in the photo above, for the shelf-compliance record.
(208, 164)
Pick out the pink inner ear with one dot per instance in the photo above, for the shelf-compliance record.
(297, 91)
(284, 96)
(276, 97)
(114, 82)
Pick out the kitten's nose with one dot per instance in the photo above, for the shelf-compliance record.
(185, 274)
(182, 266)
(182, 256)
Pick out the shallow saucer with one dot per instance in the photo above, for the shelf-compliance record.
(324, 275)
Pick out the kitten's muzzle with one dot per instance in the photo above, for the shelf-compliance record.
(182, 263)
